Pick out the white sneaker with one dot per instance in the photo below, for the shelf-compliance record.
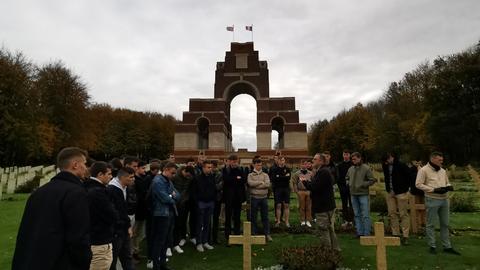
(207, 246)
(200, 248)
(308, 224)
(303, 223)
(169, 252)
(149, 264)
(194, 241)
(182, 242)
(178, 249)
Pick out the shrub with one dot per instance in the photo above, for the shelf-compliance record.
(309, 257)
(464, 202)
(29, 186)
(461, 176)
(378, 203)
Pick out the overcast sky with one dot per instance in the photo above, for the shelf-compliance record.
(155, 55)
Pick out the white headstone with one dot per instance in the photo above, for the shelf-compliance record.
(11, 184)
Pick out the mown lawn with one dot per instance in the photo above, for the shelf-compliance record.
(414, 256)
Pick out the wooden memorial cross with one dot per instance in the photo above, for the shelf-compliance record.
(247, 240)
(414, 217)
(381, 242)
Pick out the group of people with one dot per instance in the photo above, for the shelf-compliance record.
(88, 217)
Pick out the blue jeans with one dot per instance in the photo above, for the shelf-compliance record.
(361, 208)
(204, 215)
(440, 208)
(262, 205)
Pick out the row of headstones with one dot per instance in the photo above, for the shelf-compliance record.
(13, 177)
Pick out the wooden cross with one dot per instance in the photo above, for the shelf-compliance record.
(247, 240)
(414, 207)
(381, 242)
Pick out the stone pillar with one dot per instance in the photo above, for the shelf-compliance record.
(216, 141)
(295, 140)
(264, 141)
(185, 141)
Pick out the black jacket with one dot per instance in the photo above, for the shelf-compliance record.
(342, 172)
(280, 176)
(54, 231)
(234, 184)
(103, 215)
(400, 177)
(333, 170)
(413, 179)
(323, 199)
(120, 204)
(131, 199)
(205, 188)
(142, 184)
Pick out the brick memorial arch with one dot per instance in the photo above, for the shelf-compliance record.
(206, 126)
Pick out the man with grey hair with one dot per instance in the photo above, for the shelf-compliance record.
(323, 200)
(433, 180)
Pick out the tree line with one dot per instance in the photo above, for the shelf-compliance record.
(45, 108)
(434, 107)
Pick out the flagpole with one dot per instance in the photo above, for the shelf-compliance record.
(252, 32)
(233, 33)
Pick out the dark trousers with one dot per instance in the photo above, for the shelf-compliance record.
(347, 210)
(204, 215)
(122, 250)
(180, 230)
(162, 227)
(192, 218)
(149, 236)
(233, 210)
(216, 219)
(262, 205)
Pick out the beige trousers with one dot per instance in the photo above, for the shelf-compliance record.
(397, 211)
(101, 257)
(305, 205)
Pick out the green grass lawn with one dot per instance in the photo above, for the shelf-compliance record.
(414, 256)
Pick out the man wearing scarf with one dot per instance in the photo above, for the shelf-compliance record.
(433, 180)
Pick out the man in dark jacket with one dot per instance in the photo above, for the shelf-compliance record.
(234, 187)
(281, 180)
(204, 193)
(154, 170)
(103, 215)
(397, 184)
(218, 201)
(131, 162)
(347, 210)
(141, 188)
(117, 191)
(55, 229)
(323, 201)
(182, 182)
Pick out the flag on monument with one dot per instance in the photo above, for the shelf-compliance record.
(230, 28)
(249, 28)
